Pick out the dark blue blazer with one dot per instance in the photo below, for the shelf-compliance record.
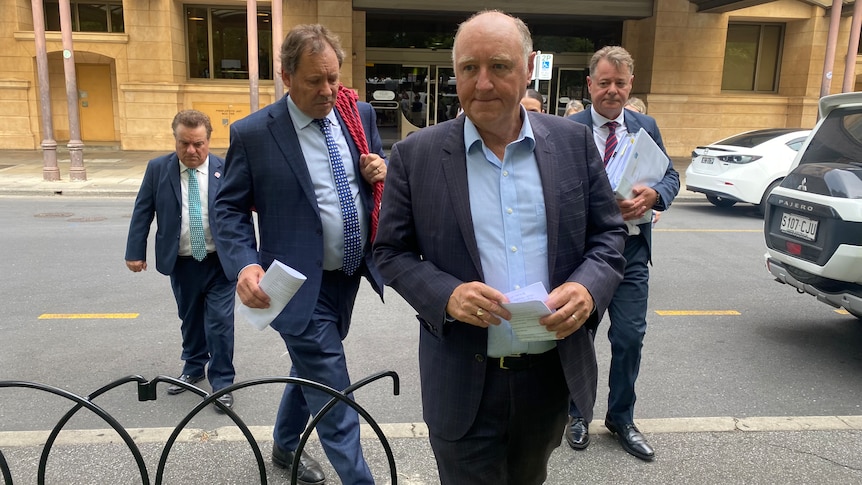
(426, 246)
(160, 197)
(668, 187)
(267, 171)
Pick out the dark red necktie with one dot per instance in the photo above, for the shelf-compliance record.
(345, 102)
(611, 143)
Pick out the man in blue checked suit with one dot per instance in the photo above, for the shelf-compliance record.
(297, 165)
(179, 190)
(483, 205)
(610, 83)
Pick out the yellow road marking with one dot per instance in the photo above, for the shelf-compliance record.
(707, 230)
(55, 316)
(677, 313)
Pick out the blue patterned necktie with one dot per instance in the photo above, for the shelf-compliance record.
(352, 236)
(196, 222)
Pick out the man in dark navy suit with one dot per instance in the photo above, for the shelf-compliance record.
(178, 190)
(610, 83)
(296, 162)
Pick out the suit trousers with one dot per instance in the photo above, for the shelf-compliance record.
(317, 355)
(519, 423)
(205, 301)
(627, 313)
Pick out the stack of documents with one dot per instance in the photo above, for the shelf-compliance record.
(638, 161)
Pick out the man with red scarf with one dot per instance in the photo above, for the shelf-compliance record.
(310, 173)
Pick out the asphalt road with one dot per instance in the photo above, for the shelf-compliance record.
(724, 341)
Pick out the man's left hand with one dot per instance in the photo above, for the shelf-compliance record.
(373, 168)
(574, 306)
(643, 199)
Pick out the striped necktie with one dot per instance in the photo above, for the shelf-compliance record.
(611, 143)
(196, 222)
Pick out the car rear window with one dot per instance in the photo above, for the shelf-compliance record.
(838, 139)
(749, 140)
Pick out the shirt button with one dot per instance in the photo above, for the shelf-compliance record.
(514, 249)
(509, 210)
(505, 173)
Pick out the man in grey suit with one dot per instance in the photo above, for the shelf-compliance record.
(480, 206)
(610, 83)
(297, 165)
(179, 190)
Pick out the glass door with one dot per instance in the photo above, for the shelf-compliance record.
(571, 84)
(446, 104)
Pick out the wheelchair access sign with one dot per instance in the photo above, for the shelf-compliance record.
(544, 66)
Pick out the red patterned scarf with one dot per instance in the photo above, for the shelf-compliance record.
(345, 102)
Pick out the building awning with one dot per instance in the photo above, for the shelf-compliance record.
(722, 6)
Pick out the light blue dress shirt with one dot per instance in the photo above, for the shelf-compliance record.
(508, 208)
(313, 144)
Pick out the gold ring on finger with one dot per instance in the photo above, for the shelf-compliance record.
(479, 312)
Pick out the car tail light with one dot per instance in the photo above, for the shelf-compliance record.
(738, 159)
(794, 248)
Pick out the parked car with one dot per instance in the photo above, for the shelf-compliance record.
(745, 167)
(813, 222)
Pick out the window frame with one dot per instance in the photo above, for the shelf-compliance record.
(49, 7)
(759, 69)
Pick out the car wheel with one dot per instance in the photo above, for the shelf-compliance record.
(720, 201)
(761, 208)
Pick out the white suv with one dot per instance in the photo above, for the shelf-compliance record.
(813, 221)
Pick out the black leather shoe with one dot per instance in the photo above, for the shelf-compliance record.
(227, 400)
(578, 433)
(309, 472)
(631, 440)
(173, 389)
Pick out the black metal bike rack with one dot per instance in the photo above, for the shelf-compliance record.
(147, 392)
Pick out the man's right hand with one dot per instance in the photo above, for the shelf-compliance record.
(477, 304)
(137, 266)
(248, 287)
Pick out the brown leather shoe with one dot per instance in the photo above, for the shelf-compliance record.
(309, 472)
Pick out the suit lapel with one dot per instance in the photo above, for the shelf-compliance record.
(454, 165)
(216, 168)
(173, 173)
(280, 126)
(548, 172)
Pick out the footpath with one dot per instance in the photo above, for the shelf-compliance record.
(118, 173)
(695, 450)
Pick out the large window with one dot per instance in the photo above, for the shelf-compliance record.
(218, 42)
(87, 17)
(751, 57)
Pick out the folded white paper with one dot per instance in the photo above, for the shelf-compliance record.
(280, 282)
(527, 306)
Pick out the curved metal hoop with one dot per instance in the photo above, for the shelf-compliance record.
(147, 392)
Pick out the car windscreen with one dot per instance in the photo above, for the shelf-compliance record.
(838, 139)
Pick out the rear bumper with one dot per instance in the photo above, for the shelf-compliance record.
(848, 301)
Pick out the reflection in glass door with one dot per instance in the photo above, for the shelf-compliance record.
(399, 95)
(571, 84)
(446, 103)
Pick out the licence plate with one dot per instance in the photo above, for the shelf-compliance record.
(707, 160)
(799, 226)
